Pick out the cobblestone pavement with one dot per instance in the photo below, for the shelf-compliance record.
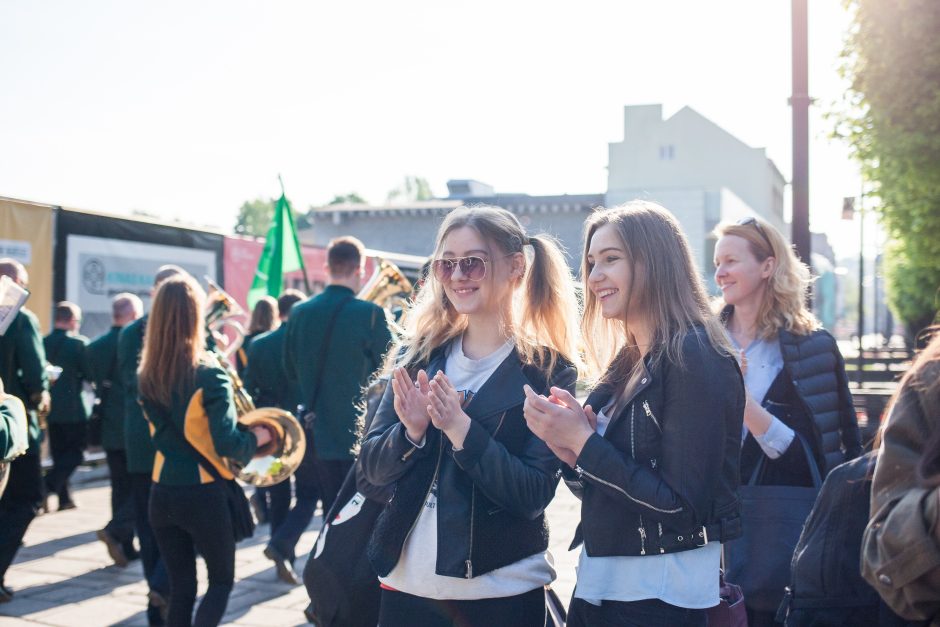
(64, 577)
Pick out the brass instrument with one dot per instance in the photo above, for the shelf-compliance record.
(388, 288)
(280, 457)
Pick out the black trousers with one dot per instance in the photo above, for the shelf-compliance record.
(18, 506)
(399, 609)
(646, 613)
(287, 531)
(330, 476)
(121, 526)
(187, 519)
(154, 569)
(67, 445)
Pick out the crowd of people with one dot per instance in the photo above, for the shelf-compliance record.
(688, 399)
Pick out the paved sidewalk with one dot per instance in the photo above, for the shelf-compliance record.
(64, 577)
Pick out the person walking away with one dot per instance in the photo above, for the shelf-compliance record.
(140, 453)
(118, 534)
(186, 397)
(267, 382)
(22, 369)
(654, 453)
(334, 344)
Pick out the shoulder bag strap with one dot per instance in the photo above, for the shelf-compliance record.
(324, 350)
(810, 460)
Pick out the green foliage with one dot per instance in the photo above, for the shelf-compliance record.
(350, 198)
(254, 217)
(891, 119)
(411, 189)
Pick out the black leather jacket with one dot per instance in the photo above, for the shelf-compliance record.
(491, 494)
(664, 477)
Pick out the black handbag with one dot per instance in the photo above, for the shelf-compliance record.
(243, 524)
(343, 588)
(730, 611)
(772, 517)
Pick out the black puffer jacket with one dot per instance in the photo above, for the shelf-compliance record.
(811, 396)
(664, 476)
(491, 494)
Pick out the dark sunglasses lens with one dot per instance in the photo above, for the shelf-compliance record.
(473, 268)
(443, 268)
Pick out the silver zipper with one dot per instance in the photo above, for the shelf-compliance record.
(653, 463)
(473, 502)
(582, 472)
(633, 431)
(642, 531)
(440, 453)
(649, 412)
(661, 549)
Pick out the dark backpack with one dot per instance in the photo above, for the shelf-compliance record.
(826, 585)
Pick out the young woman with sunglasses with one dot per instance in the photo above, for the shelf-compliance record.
(793, 371)
(653, 454)
(463, 540)
(187, 399)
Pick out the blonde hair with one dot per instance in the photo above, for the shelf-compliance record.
(784, 302)
(174, 342)
(544, 314)
(667, 287)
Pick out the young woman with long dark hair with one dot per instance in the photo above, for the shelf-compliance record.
(654, 453)
(187, 397)
(463, 541)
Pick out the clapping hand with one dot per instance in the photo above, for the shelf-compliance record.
(446, 411)
(411, 402)
(559, 421)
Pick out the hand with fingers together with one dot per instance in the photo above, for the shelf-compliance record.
(411, 402)
(446, 411)
(559, 421)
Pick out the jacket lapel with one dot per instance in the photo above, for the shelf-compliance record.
(501, 391)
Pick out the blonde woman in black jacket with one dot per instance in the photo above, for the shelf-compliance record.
(463, 539)
(654, 453)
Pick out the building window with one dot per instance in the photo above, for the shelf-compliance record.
(667, 152)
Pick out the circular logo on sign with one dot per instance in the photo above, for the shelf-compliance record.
(93, 276)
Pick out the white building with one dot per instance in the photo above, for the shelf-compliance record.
(696, 169)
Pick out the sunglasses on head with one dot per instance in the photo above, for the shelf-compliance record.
(752, 221)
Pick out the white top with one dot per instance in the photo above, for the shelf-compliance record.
(415, 571)
(764, 363)
(686, 579)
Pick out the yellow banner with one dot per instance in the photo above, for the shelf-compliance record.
(26, 234)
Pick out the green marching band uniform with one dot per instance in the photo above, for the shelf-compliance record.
(102, 358)
(23, 368)
(68, 352)
(209, 423)
(137, 442)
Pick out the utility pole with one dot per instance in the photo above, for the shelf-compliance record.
(800, 102)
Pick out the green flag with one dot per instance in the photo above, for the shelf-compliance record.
(281, 254)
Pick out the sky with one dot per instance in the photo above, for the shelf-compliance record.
(187, 109)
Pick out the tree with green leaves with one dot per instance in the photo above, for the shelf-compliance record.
(412, 188)
(254, 217)
(891, 119)
(352, 198)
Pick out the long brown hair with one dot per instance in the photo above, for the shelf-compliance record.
(667, 288)
(175, 341)
(545, 311)
(263, 316)
(784, 302)
(923, 377)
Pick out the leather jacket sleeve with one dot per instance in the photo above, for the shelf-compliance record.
(386, 453)
(901, 545)
(522, 483)
(699, 400)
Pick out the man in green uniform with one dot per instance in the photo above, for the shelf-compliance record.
(348, 354)
(22, 369)
(68, 418)
(118, 534)
(269, 386)
(140, 452)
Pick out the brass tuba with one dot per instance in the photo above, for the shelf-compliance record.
(280, 457)
(388, 288)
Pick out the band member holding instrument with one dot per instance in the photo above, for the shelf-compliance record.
(22, 368)
(464, 540)
(187, 398)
